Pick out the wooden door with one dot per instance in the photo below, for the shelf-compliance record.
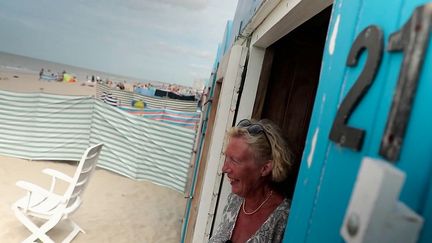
(288, 83)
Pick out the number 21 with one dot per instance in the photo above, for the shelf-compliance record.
(412, 40)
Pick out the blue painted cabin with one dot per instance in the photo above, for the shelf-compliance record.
(347, 81)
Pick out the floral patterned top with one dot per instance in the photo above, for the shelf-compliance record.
(271, 230)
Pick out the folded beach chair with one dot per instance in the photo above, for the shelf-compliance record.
(47, 205)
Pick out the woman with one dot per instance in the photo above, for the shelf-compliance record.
(256, 161)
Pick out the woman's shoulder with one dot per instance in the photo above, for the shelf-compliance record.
(281, 212)
(234, 199)
(284, 206)
(274, 227)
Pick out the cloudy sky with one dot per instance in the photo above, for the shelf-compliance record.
(171, 41)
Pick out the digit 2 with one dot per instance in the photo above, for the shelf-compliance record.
(412, 40)
(371, 38)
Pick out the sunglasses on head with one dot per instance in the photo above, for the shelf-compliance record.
(253, 128)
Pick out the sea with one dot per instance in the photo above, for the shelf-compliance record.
(25, 64)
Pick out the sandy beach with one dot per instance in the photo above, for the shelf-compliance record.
(11, 80)
(114, 209)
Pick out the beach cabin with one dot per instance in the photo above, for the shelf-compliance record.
(348, 83)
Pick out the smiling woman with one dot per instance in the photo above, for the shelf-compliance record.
(257, 159)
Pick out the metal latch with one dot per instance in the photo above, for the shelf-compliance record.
(374, 213)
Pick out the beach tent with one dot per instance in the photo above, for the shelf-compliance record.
(48, 76)
(69, 78)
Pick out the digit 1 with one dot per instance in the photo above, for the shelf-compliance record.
(412, 40)
(371, 39)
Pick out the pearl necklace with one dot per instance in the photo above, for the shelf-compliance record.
(258, 208)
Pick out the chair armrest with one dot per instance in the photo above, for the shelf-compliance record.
(32, 188)
(57, 174)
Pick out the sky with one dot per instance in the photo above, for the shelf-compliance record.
(172, 41)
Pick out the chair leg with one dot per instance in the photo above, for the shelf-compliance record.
(75, 231)
(43, 237)
(37, 232)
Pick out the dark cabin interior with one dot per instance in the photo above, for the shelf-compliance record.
(288, 84)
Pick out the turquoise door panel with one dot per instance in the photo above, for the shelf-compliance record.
(317, 141)
(426, 234)
(328, 170)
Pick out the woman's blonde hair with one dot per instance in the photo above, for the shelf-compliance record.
(267, 145)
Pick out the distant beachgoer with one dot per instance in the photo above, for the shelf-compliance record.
(120, 86)
(41, 72)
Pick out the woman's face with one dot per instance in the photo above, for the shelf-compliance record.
(241, 169)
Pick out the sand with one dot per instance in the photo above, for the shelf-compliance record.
(114, 209)
(12, 80)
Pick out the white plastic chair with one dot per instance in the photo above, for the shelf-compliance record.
(52, 207)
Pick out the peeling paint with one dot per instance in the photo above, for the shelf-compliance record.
(312, 150)
(321, 111)
(334, 35)
(323, 100)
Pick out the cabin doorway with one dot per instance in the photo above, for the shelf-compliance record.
(288, 83)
